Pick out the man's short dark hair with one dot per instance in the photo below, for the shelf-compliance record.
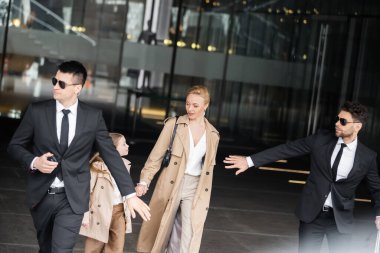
(358, 111)
(75, 68)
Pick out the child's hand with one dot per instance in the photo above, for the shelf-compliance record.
(141, 189)
(86, 220)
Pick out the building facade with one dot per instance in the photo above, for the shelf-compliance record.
(276, 70)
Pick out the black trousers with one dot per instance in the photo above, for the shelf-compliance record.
(311, 235)
(56, 224)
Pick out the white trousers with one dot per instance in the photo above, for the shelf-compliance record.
(182, 231)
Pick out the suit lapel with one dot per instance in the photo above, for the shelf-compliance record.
(81, 120)
(51, 121)
(355, 166)
(329, 149)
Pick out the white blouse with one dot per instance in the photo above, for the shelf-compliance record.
(197, 152)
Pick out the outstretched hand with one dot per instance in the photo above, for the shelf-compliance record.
(236, 162)
(136, 204)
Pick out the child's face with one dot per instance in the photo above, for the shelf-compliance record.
(122, 147)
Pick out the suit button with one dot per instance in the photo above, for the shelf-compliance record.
(102, 187)
(206, 190)
(175, 163)
(172, 182)
(325, 196)
(98, 205)
(92, 212)
(206, 208)
(207, 173)
(98, 223)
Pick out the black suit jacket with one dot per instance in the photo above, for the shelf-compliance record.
(320, 181)
(37, 135)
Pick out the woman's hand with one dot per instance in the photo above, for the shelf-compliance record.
(141, 189)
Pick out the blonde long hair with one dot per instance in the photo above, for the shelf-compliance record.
(96, 158)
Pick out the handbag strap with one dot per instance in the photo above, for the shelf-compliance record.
(173, 135)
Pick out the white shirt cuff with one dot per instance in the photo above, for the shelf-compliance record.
(250, 162)
(129, 196)
(32, 164)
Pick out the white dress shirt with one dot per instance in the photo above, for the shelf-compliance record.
(72, 117)
(194, 163)
(72, 120)
(346, 162)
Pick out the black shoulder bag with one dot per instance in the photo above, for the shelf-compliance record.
(168, 153)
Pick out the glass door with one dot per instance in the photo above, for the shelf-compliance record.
(291, 76)
(366, 79)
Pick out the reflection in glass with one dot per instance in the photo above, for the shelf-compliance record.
(264, 62)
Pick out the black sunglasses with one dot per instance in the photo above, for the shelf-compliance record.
(62, 84)
(343, 121)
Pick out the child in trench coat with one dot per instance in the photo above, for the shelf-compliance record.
(108, 219)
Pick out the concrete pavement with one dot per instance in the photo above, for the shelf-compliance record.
(252, 212)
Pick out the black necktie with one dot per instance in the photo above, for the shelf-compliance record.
(64, 140)
(337, 160)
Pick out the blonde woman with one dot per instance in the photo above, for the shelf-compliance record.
(184, 187)
(108, 219)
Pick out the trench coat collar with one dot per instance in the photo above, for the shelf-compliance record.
(102, 170)
(184, 119)
(211, 139)
(183, 133)
(100, 165)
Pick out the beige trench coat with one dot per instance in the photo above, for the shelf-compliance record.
(154, 234)
(100, 214)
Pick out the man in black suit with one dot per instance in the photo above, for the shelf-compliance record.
(339, 162)
(54, 142)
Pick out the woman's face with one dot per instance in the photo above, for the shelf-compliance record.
(195, 106)
(122, 147)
